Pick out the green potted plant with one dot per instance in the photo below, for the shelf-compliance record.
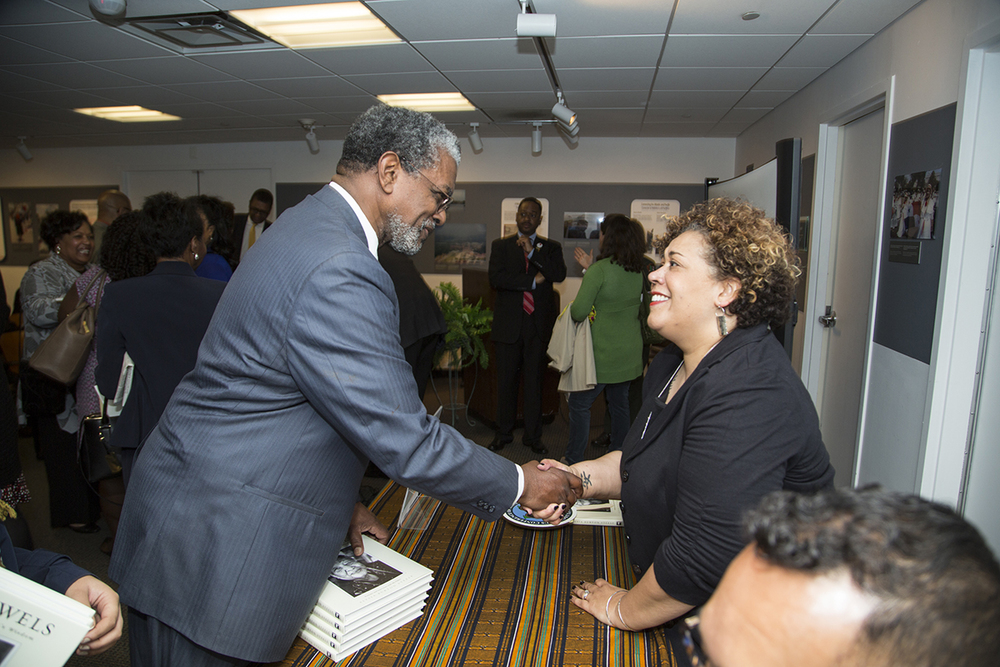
(467, 324)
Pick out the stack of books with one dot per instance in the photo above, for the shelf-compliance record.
(365, 599)
(38, 626)
(594, 512)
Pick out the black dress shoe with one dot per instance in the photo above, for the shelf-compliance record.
(603, 441)
(499, 443)
(86, 528)
(537, 448)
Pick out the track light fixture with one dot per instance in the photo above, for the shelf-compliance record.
(474, 139)
(564, 114)
(111, 8)
(536, 139)
(23, 149)
(308, 124)
(530, 24)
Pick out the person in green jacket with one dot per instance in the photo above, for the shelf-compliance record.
(611, 293)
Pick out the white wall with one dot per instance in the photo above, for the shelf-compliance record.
(923, 49)
(594, 160)
(926, 51)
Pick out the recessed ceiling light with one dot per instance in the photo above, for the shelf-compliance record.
(128, 114)
(750, 16)
(429, 101)
(317, 26)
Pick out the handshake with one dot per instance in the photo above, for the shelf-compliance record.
(549, 492)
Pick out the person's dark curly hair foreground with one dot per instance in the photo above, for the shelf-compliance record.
(123, 252)
(937, 582)
(744, 244)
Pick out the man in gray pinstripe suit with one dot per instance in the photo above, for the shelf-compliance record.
(245, 489)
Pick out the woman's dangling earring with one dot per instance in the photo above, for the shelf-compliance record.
(196, 257)
(721, 318)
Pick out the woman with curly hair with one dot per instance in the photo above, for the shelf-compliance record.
(71, 242)
(725, 419)
(612, 289)
(123, 255)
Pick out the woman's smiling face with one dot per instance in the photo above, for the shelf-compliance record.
(684, 292)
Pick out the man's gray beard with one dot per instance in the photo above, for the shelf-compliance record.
(404, 238)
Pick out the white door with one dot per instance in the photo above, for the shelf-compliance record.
(849, 289)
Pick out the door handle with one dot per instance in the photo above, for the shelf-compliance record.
(830, 319)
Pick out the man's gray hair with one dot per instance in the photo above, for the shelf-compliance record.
(418, 138)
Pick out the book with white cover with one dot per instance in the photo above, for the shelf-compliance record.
(593, 512)
(326, 648)
(380, 575)
(415, 593)
(379, 626)
(38, 626)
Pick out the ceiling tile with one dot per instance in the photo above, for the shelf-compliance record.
(268, 107)
(708, 99)
(607, 78)
(788, 78)
(707, 78)
(147, 96)
(725, 50)
(162, 71)
(73, 75)
(822, 50)
(261, 64)
(312, 86)
(420, 20)
(16, 83)
(344, 108)
(725, 17)
(19, 53)
(619, 99)
(480, 54)
(505, 100)
(609, 115)
(653, 129)
(514, 81)
(220, 91)
(395, 84)
(642, 51)
(369, 59)
(764, 98)
(685, 115)
(85, 41)
(745, 115)
(862, 16)
(17, 13)
(622, 17)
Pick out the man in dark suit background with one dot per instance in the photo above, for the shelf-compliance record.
(523, 268)
(421, 322)
(246, 488)
(248, 227)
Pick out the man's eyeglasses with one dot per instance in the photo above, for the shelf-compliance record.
(692, 643)
(443, 199)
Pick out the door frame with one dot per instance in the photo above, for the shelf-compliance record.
(821, 251)
(962, 299)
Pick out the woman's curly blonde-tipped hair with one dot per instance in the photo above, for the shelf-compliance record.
(743, 243)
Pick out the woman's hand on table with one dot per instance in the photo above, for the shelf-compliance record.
(595, 599)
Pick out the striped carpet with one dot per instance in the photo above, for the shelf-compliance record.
(500, 598)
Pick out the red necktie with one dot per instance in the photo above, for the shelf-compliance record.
(529, 298)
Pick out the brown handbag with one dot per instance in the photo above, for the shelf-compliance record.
(63, 354)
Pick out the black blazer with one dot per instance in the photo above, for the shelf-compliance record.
(419, 313)
(741, 426)
(159, 319)
(510, 278)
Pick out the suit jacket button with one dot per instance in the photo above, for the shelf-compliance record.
(491, 509)
(624, 475)
(628, 539)
(637, 569)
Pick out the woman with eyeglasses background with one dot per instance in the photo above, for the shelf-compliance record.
(725, 419)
